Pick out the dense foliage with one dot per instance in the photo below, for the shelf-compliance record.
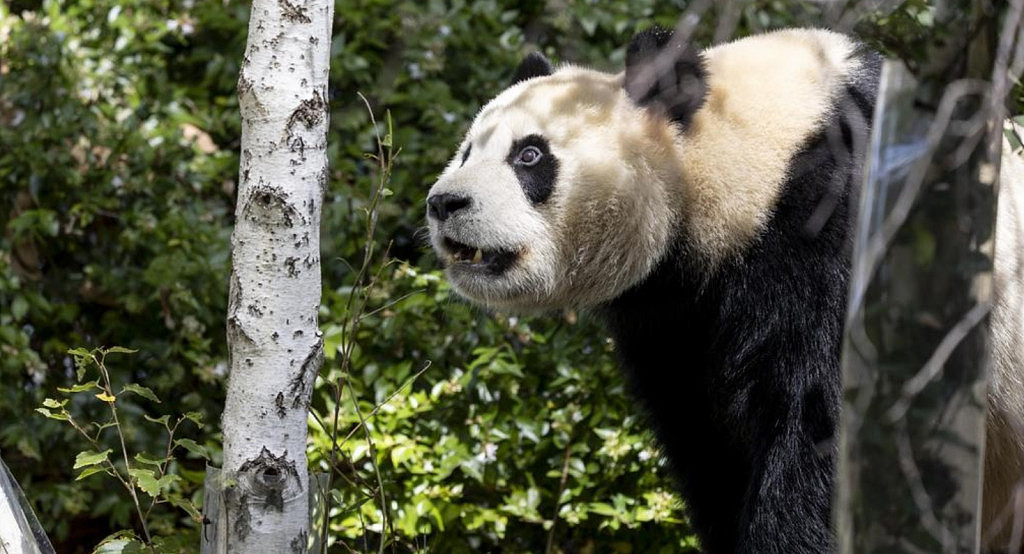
(118, 159)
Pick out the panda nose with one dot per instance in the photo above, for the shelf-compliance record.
(440, 206)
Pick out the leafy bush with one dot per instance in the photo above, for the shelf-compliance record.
(464, 431)
(115, 229)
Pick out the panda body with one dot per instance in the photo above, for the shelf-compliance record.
(1003, 486)
(682, 201)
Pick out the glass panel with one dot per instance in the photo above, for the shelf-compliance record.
(20, 532)
(915, 350)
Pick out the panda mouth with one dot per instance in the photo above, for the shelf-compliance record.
(472, 257)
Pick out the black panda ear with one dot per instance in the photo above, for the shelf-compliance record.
(533, 65)
(666, 75)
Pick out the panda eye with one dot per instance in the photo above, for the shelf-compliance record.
(529, 156)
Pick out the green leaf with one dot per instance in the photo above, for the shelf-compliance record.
(91, 470)
(142, 391)
(401, 453)
(121, 542)
(166, 481)
(143, 459)
(58, 416)
(603, 509)
(119, 350)
(164, 419)
(79, 388)
(90, 458)
(51, 403)
(80, 353)
(189, 507)
(83, 359)
(19, 307)
(191, 446)
(146, 480)
(195, 417)
(387, 142)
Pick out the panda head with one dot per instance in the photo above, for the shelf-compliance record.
(559, 194)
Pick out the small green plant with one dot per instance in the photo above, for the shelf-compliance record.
(366, 282)
(138, 473)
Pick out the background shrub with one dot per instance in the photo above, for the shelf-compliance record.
(118, 159)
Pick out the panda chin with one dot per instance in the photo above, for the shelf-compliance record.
(463, 257)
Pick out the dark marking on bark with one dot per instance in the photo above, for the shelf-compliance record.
(243, 522)
(275, 335)
(268, 205)
(293, 13)
(310, 112)
(234, 293)
(244, 83)
(275, 42)
(297, 333)
(301, 385)
(279, 404)
(254, 310)
(299, 145)
(308, 115)
(298, 544)
(323, 178)
(236, 331)
(289, 264)
(270, 479)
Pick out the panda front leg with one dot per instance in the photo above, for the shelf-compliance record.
(788, 499)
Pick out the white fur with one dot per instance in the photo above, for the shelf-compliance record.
(1003, 495)
(628, 180)
(768, 94)
(610, 215)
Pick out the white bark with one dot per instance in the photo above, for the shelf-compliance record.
(275, 347)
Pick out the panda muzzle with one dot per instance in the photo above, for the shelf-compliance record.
(460, 253)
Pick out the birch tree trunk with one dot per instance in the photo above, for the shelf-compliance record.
(275, 347)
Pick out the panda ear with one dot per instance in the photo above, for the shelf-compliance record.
(665, 75)
(533, 65)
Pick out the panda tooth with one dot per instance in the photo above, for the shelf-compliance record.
(478, 256)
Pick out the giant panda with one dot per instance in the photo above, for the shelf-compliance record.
(672, 200)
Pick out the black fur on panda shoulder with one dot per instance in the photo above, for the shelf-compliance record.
(739, 370)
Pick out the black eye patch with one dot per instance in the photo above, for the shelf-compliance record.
(535, 167)
(465, 155)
